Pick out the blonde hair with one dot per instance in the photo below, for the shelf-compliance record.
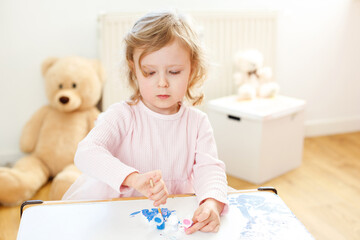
(154, 31)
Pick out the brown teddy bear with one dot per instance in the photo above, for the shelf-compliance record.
(73, 86)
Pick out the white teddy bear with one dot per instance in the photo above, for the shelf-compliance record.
(253, 80)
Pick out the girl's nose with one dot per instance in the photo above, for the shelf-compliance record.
(163, 81)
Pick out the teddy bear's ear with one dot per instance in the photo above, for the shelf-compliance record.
(99, 69)
(47, 64)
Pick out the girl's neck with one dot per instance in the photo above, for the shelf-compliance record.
(169, 111)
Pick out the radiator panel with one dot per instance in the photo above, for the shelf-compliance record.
(223, 34)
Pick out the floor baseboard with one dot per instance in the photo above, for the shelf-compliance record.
(332, 126)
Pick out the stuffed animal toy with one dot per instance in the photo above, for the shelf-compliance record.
(73, 86)
(252, 79)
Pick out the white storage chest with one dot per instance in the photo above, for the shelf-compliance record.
(258, 139)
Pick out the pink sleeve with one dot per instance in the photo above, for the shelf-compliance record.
(95, 153)
(209, 172)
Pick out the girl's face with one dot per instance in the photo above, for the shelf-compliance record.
(168, 72)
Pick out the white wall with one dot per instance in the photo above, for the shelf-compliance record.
(318, 54)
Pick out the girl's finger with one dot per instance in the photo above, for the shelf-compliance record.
(197, 226)
(161, 201)
(205, 214)
(156, 176)
(160, 186)
(209, 227)
(196, 213)
(158, 196)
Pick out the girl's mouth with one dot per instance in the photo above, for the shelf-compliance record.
(163, 96)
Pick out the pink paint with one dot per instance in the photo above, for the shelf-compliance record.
(186, 222)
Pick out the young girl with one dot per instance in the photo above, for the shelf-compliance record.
(154, 136)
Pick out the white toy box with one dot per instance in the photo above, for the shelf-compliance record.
(258, 139)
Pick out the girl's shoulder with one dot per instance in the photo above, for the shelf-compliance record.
(122, 107)
(195, 113)
(199, 119)
(117, 111)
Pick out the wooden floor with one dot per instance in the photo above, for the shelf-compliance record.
(324, 193)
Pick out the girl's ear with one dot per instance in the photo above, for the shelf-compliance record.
(131, 65)
(192, 70)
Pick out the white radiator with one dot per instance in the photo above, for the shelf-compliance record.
(222, 33)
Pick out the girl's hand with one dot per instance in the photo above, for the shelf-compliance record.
(207, 217)
(141, 183)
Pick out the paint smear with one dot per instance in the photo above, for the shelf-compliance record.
(134, 213)
(151, 213)
(173, 228)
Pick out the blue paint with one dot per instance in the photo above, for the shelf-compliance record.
(161, 226)
(246, 203)
(134, 213)
(160, 222)
(151, 213)
(269, 213)
(166, 212)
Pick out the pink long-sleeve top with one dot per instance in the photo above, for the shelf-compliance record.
(132, 138)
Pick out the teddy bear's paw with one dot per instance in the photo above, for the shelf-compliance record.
(58, 188)
(246, 92)
(268, 90)
(13, 190)
(62, 182)
(238, 78)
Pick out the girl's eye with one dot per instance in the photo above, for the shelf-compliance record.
(74, 85)
(60, 86)
(174, 72)
(150, 73)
